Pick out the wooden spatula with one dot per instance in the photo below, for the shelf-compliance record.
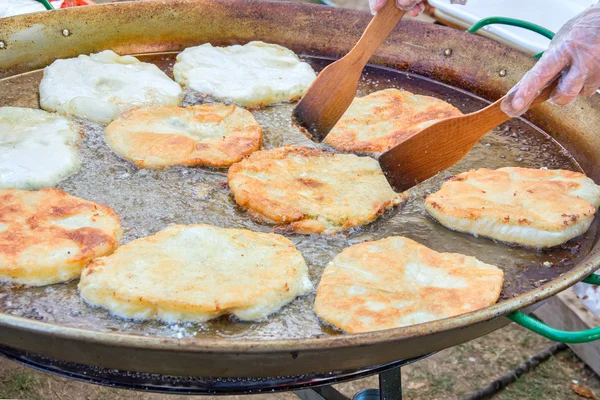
(334, 89)
(442, 145)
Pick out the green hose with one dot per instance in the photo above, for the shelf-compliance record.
(46, 4)
(592, 279)
(513, 22)
(588, 335)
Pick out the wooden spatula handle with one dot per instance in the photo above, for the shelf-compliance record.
(492, 116)
(377, 31)
(545, 95)
(542, 97)
(443, 144)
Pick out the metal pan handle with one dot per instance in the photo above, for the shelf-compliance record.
(537, 326)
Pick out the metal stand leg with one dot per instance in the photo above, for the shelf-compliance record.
(390, 388)
(390, 385)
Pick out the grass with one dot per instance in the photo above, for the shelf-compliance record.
(525, 341)
(552, 380)
(20, 385)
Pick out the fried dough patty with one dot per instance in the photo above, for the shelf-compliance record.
(253, 75)
(102, 85)
(311, 190)
(209, 134)
(530, 207)
(37, 149)
(48, 236)
(197, 272)
(397, 282)
(379, 121)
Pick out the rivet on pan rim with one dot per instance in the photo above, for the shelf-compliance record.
(448, 52)
(66, 32)
(502, 73)
(2, 45)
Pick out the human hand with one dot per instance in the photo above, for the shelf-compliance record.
(412, 7)
(575, 53)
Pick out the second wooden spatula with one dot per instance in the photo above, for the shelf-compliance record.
(331, 93)
(443, 144)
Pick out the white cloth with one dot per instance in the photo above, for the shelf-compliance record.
(590, 296)
(9, 8)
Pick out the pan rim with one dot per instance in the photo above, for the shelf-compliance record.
(587, 266)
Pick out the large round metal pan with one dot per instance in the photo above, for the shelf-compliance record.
(458, 59)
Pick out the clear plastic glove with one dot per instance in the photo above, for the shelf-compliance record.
(575, 53)
(412, 7)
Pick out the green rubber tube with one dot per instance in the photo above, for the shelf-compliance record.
(513, 22)
(588, 335)
(593, 279)
(46, 4)
(327, 2)
(557, 335)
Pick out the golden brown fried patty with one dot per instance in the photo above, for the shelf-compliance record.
(209, 134)
(48, 236)
(379, 121)
(197, 272)
(398, 282)
(311, 190)
(530, 207)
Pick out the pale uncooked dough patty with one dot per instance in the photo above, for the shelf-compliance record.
(102, 85)
(253, 75)
(37, 149)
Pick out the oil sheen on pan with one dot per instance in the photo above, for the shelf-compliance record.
(150, 200)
